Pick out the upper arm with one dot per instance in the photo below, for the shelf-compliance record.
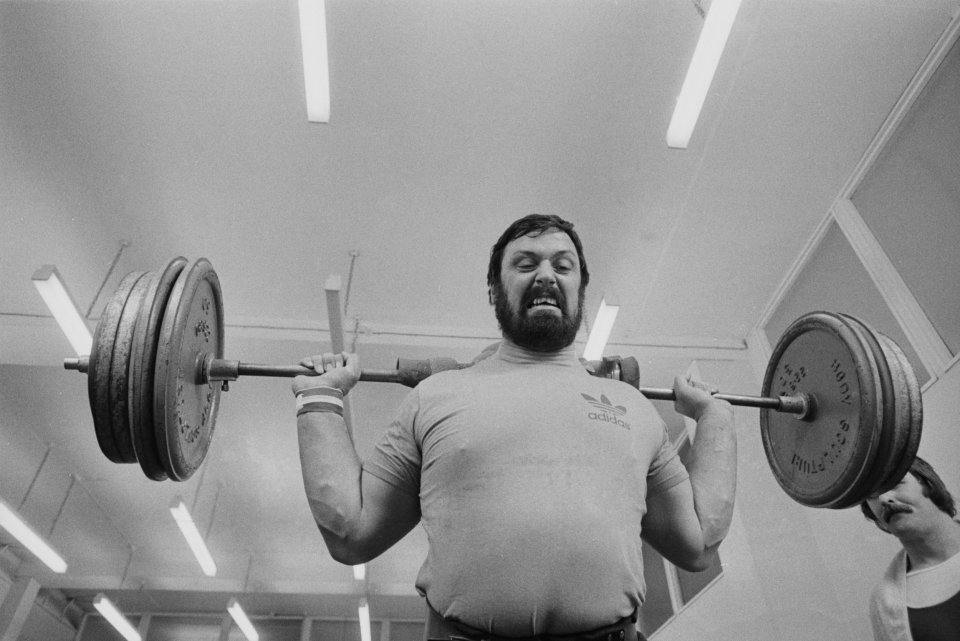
(387, 514)
(671, 526)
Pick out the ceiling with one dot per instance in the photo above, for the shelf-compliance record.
(138, 131)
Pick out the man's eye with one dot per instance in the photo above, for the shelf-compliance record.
(563, 268)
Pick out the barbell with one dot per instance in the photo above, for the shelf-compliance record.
(840, 408)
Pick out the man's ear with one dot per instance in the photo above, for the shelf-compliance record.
(490, 295)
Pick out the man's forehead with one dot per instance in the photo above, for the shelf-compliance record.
(551, 241)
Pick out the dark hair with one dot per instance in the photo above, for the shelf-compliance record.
(933, 488)
(535, 224)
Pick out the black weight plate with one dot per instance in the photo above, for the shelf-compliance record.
(143, 361)
(120, 371)
(887, 443)
(818, 460)
(910, 416)
(185, 408)
(98, 366)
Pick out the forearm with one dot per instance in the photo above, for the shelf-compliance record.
(331, 473)
(713, 471)
(359, 515)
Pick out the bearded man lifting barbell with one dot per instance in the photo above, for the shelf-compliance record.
(534, 481)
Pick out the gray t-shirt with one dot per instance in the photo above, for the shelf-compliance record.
(532, 477)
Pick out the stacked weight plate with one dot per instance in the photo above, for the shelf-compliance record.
(102, 381)
(864, 426)
(147, 398)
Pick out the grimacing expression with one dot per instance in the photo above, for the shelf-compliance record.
(539, 299)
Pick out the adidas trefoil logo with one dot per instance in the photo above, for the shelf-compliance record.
(606, 412)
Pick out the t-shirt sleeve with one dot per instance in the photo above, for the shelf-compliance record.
(666, 469)
(397, 456)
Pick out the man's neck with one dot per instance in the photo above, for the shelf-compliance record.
(511, 350)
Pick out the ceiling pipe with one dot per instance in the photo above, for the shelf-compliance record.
(113, 264)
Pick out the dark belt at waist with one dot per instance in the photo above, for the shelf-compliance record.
(440, 629)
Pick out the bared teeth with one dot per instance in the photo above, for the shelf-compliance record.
(543, 301)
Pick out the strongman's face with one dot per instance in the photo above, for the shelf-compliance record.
(538, 302)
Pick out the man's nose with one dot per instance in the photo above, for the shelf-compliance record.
(545, 274)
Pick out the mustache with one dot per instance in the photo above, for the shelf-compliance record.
(887, 512)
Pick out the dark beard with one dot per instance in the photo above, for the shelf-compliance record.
(540, 333)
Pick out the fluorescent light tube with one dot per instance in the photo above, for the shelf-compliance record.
(13, 523)
(182, 516)
(600, 331)
(713, 38)
(240, 617)
(316, 73)
(117, 620)
(49, 283)
(364, 611)
(360, 572)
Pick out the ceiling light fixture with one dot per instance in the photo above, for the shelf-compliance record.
(713, 38)
(600, 332)
(50, 284)
(182, 516)
(13, 523)
(316, 73)
(360, 572)
(364, 611)
(116, 619)
(240, 617)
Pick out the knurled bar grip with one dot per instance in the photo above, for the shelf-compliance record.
(411, 372)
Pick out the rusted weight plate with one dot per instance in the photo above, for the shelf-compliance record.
(185, 409)
(910, 413)
(143, 360)
(98, 367)
(889, 438)
(820, 459)
(120, 371)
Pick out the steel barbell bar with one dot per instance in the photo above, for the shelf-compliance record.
(411, 372)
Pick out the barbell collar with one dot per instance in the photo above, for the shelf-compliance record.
(80, 364)
(801, 406)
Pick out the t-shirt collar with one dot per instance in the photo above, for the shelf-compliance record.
(513, 353)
